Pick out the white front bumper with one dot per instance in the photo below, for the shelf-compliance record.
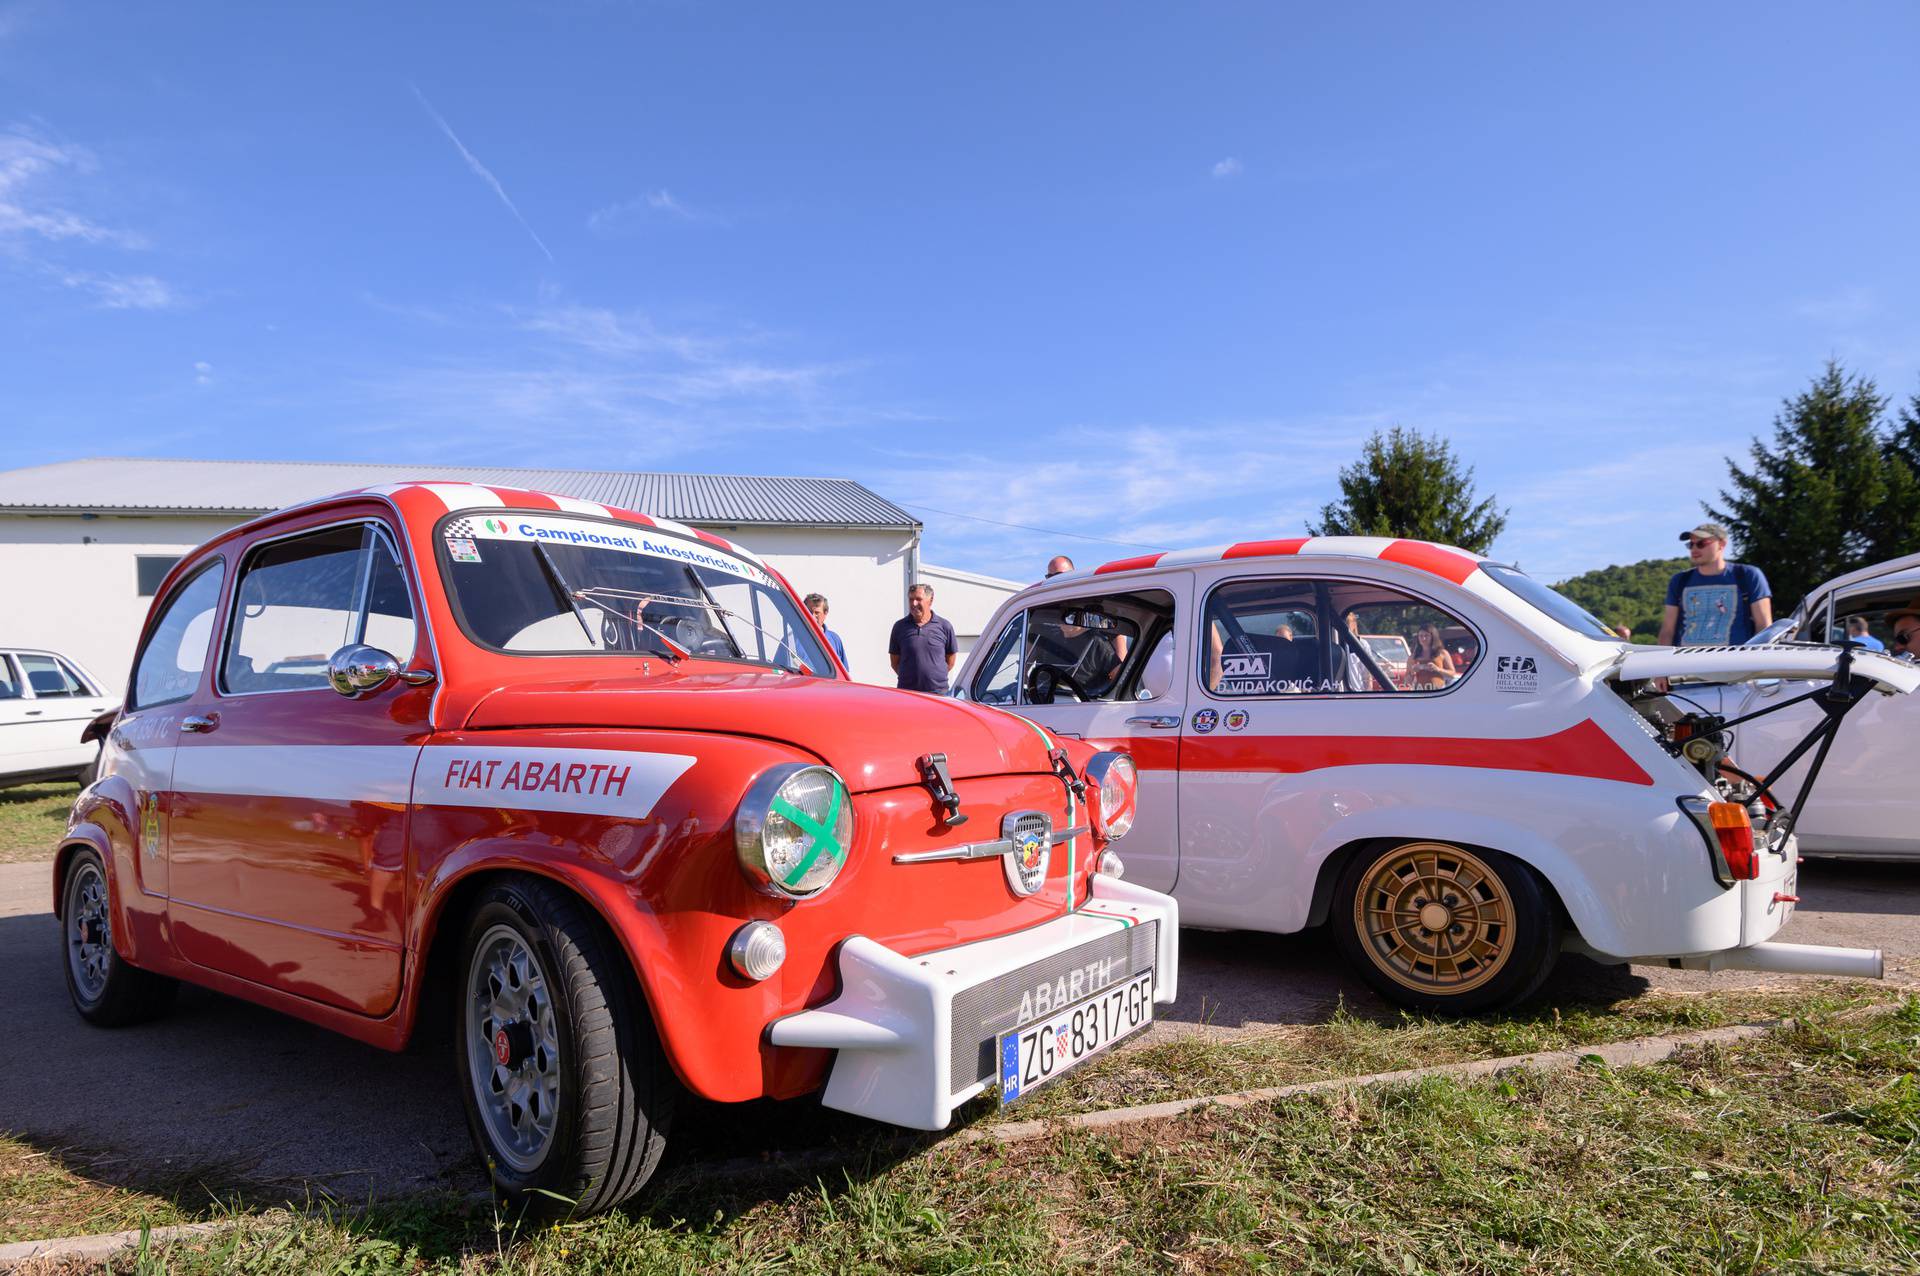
(894, 1022)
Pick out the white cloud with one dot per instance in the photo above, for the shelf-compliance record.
(202, 373)
(28, 164)
(1228, 167)
(41, 236)
(1844, 308)
(614, 218)
(124, 292)
(481, 171)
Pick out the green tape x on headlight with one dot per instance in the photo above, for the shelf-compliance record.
(793, 830)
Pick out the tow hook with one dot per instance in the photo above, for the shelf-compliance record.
(1781, 897)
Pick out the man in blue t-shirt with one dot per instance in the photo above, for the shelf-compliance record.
(1714, 603)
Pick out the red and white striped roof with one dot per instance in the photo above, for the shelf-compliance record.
(1444, 561)
(430, 500)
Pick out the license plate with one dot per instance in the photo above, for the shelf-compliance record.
(1036, 1053)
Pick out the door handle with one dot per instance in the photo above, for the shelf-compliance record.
(34, 713)
(197, 722)
(1158, 721)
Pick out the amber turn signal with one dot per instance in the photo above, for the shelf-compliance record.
(1734, 827)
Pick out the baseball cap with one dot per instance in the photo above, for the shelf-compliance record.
(1713, 530)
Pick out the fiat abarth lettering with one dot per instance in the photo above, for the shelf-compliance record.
(1454, 766)
(588, 789)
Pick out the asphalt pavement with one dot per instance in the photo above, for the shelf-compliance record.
(230, 1095)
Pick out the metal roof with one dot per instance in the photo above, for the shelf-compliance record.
(132, 485)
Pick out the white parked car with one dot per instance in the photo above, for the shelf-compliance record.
(1865, 804)
(1456, 837)
(46, 702)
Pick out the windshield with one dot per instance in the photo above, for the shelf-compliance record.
(546, 584)
(1551, 601)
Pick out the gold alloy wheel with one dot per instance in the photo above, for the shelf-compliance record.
(1434, 918)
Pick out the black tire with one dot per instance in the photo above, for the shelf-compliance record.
(613, 1091)
(106, 989)
(1495, 945)
(91, 771)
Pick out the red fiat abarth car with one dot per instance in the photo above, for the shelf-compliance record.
(591, 785)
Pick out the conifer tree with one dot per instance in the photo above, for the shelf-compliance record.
(1406, 484)
(1807, 509)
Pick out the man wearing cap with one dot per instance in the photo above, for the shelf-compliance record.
(1905, 624)
(1714, 603)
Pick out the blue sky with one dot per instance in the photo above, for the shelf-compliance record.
(1147, 273)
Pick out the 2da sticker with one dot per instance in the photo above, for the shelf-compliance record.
(1246, 664)
(1205, 720)
(1516, 673)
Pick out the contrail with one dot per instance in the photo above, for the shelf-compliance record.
(480, 170)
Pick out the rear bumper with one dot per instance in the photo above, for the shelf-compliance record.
(916, 1035)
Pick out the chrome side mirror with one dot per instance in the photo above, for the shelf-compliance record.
(362, 670)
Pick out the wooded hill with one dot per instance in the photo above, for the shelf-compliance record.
(1630, 595)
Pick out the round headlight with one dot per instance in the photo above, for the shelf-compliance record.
(1115, 787)
(793, 830)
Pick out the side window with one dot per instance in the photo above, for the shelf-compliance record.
(998, 681)
(388, 623)
(300, 600)
(1263, 638)
(1390, 641)
(170, 664)
(1077, 651)
(9, 680)
(49, 678)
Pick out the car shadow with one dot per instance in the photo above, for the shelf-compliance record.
(225, 1101)
(1860, 886)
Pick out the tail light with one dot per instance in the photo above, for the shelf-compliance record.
(1727, 830)
(1734, 829)
(1113, 792)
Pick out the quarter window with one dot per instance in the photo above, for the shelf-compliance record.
(9, 679)
(1307, 637)
(170, 664)
(300, 600)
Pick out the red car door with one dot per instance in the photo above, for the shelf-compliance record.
(289, 831)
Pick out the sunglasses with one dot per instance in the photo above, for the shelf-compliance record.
(1906, 636)
(1701, 542)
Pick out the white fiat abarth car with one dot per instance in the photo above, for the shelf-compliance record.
(1516, 789)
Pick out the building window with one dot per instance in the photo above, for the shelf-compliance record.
(150, 570)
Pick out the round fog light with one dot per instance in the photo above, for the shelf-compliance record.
(757, 949)
(1111, 866)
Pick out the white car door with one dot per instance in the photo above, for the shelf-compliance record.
(62, 705)
(1099, 665)
(1859, 806)
(18, 721)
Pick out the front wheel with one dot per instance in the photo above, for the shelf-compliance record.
(567, 1091)
(104, 987)
(1439, 927)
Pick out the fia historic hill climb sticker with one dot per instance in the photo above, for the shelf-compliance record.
(1516, 673)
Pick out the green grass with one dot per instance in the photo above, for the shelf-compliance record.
(1796, 1152)
(1350, 1044)
(32, 818)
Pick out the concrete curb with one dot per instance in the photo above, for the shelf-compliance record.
(105, 1245)
(1639, 1050)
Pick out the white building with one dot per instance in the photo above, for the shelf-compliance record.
(83, 544)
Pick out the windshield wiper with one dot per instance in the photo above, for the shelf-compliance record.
(674, 651)
(594, 593)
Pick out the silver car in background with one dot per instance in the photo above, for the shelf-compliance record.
(1867, 804)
